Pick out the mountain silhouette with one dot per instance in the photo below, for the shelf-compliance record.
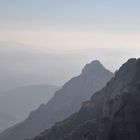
(15, 105)
(111, 114)
(65, 102)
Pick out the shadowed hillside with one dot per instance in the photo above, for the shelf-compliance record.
(111, 114)
(16, 104)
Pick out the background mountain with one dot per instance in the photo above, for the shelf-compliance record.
(111, 114)
(23, 65)
(65, 102)
(16, 104)
(6, 120)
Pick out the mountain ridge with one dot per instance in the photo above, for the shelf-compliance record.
(116, 117)
(12, 103)
(65, 102)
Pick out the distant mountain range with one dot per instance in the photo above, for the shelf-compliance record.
(15, 105)
(21, 64)
(112, 113)
(7, 120)
(66, 101)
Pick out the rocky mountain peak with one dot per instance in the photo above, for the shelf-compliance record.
(120, 117)
(94, 66)
(129, 69)
(66, 101)
(113, 113)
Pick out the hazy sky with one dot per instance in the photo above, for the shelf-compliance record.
(108, 30)
(70, 24)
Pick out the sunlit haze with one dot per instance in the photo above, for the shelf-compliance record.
(66, 34)
(75, 24)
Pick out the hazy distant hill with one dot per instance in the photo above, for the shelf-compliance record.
(21, 64)
(113, 113)
(6, 121)
(65, 102)
(16, 104)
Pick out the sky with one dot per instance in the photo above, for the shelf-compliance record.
(71, 24)
(50, 41)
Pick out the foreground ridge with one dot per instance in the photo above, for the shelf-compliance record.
(111, 114)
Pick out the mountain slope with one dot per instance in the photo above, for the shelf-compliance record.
(120, 117)
(6, 121)
(79, 124)
(65, 102)
(21, 101)
(111, 114)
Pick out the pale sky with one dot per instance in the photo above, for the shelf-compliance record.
(71, 24)
(74, 32)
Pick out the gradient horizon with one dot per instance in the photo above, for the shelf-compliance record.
(74, 24)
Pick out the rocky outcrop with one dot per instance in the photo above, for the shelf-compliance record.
(112, 113)
(65, 102)
(120, 117)
(79, 125)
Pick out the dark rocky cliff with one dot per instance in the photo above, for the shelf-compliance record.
(121, 110)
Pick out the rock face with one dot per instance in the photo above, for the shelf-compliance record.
(113, 113)
(78, 126)
(121, 110)
(65, 102)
